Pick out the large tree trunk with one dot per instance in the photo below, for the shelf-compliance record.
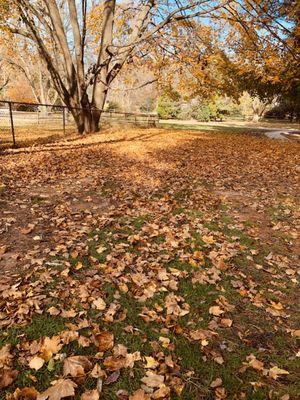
(84, 120)
(101, 83)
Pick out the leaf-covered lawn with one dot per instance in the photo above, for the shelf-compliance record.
(150, 264)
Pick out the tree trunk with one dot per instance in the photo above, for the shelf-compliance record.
(101, 94)
(84, 120)
(101, 83)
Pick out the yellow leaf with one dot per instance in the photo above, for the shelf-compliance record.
(274, 372)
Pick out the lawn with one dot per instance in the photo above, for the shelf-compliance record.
(150, 264)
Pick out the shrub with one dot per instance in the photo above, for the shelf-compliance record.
(112, 106)
(167, 107)
(203, 113)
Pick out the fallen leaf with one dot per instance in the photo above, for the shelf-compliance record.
(216, 311)
(27, 393)
(164, 341)
(27, 230)
(275, 372)
(139, 395)
(208, 239)
(151, 363)
(226, 322)
(7, 377)
(217, 382)
(3, 249)
(99, 304)
(90, 395)
(112, 377)
(160, 393)
(153, 380)
(5, 356)
(114, 363)
(61, 389)
(97, 372)
(36, 363)
(68, 313)
(53, 311)
(101, 249)
(104, 340)
(255, 363)
(50, 347)
(76, 366)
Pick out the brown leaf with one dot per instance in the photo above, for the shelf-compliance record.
(104, 340)
(68, 313)
(114, 363)
(76, 366)
(131, 358)
(139, 395)
(3, 249)
(202, 334)
(97, 372)
(255, 363)
(7, 376)
(217, 382)
(5, 356)
(27, 230)
(99, 304)
(226, 322)
(27, 393)
(90, 395)
(50, 347)
(153, 380)
(61, 389)
(216, 311)
(53, 311)
(161, 392)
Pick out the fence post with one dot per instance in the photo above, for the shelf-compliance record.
(64, 120)
(12, 124)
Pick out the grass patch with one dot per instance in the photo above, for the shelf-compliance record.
(44, 325)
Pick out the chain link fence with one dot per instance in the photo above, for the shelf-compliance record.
(25, 124)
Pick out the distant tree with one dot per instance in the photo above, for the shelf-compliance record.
(148, 105)
(168, 105)
(254, 108)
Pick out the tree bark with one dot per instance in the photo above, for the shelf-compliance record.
(83, 120)
(101, 82)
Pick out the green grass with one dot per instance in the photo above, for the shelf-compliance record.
(44, 325)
